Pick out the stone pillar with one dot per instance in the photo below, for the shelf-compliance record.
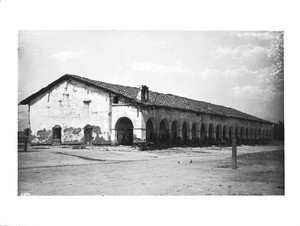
(221, 132)
(198, 133)
(236, 135)
(232, 133)
(271, 135)
(214, 133)
(113, 136)
(227, 133)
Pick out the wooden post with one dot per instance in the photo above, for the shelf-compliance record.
(234, 155)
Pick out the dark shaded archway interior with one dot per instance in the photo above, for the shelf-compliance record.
(56, 134)
(124, 129)
(150, 131)
(163, 131)
(224, 133)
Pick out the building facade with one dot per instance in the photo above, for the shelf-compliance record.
(77, 110)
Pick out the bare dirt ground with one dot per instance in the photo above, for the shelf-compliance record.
(126, 171)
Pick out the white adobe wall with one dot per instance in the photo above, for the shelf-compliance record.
(64, 105)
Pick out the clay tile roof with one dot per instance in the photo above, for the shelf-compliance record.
(155, 99)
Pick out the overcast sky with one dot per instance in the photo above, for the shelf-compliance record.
(226, 68)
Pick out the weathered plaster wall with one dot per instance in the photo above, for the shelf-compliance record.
(131, 112)
(71, 105)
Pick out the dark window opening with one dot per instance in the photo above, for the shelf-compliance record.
(56, 130)
(116, 100)
(87, 102)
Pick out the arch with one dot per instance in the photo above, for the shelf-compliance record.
(88, 135)
(124, 131)
(164, 130)
(194, 131)
(259, 133)
(56, 134)
(218, 132)
(203, 132)
(185, 132)
(224, 137)
(174, 131)
(150, 130)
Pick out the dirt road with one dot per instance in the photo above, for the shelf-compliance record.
(127, 171)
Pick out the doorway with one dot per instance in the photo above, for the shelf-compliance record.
(88, 135)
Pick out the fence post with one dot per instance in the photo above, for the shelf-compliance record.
(234, 154)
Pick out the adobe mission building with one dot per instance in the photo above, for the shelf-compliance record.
(78, 110)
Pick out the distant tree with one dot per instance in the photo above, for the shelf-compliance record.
(278, 131)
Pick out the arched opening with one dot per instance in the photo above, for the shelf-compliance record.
(218, 133)
(210, 132)
(150, 130)
(203, 133)
(224, 133)
(124, 128)
(88, 135)
(194, 131)
(164, 131)
(56, 134)
(185, 130)
(174, 131)
(259, 134)
(255, 134)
